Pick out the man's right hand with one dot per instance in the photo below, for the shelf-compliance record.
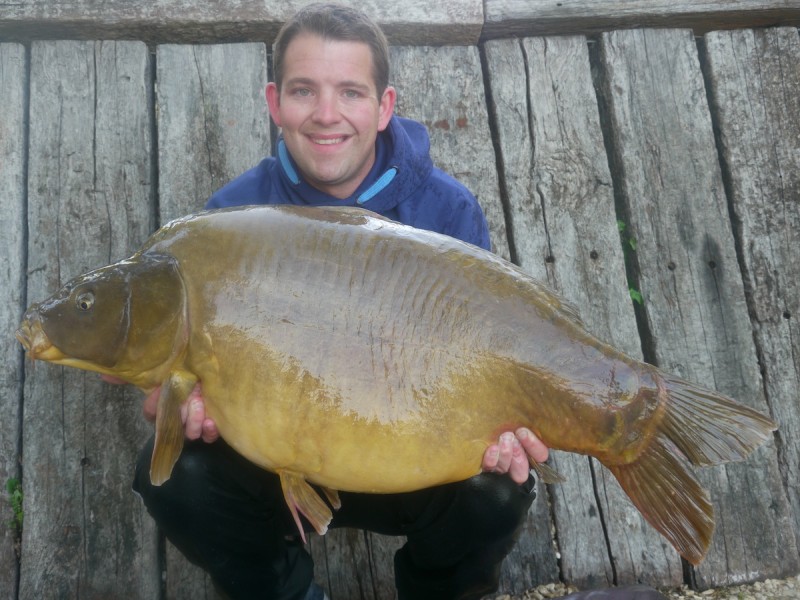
(193, 413)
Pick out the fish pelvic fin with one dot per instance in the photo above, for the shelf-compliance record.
(661, 485)
(301, 498)
(708, 427)
(333, 498)
(169, 426)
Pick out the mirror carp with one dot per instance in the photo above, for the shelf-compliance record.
(331, 342)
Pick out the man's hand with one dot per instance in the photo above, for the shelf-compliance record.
(510, 454)
(193, 413)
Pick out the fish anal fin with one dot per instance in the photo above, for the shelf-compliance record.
(169, 427)
(302, 498)
(666, 492)
(545, 472)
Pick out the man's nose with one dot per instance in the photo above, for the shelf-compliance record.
(327, 109)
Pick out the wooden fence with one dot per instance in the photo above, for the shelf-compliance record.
(686, 134)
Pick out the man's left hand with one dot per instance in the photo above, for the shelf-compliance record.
(510, 454)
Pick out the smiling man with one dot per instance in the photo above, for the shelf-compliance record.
(329, 111)
(341, 145)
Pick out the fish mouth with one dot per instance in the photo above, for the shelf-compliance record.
(35, 341)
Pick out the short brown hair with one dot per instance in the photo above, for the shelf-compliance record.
(335, 22)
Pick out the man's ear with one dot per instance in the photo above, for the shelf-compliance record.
(274, 102)
(386, 107)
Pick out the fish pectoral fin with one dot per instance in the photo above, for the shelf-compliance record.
(169, 427)
(300, 496)
(661, 485)
(546, 473)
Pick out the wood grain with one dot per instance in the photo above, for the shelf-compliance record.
(90, 201)
(506, 18)
(754, 80)
(13, 90)
(213, 125)
(449, 98)
(564, 230)
(412, 22)
(695, 313)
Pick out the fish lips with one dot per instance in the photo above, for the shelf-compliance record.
(35, 341)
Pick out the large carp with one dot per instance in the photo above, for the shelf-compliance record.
(331, 343)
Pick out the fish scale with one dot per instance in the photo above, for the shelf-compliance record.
(331, 342)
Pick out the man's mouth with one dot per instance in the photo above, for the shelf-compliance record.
(328, 141)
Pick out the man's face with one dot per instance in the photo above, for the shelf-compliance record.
(329, 111)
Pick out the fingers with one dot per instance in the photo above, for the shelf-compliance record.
(210, 433)
(193, 413)
(195, 423)
(518, 467)
(510, 454)
(150, 405)
(490, 459)
(507, 456)
(533, 446)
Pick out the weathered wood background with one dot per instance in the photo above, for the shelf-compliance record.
(565, 119)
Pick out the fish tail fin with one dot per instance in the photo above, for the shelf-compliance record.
(661, 486)
(708, 427)
(701, 427)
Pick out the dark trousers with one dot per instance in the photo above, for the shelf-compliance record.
(229, 517)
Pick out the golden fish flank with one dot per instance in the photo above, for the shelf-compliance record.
(331, 342)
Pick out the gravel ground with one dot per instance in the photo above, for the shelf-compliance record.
(771, 589)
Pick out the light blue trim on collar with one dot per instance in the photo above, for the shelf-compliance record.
(283, 156)
(378, 186)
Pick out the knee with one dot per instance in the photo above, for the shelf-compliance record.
(186, 482)
(496, 502)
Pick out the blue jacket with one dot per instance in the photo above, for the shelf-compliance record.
(403, 185)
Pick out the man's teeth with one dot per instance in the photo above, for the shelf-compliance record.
(326, 142)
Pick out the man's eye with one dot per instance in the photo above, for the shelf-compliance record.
(302, 92)
(351, 94)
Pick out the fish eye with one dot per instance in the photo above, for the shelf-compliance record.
(85, 301)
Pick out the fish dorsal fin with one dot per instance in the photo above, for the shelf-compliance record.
(555, 300)
(169, 427)
(569, 310)
(302, 498)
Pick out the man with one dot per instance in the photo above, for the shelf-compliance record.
(342, 145)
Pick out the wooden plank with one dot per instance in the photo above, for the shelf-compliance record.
(213, 121)
(213, 125)
(355, 564)
(564, 231)
(90, 202)
(755, 89)
(187, 21)
(448, 97)
(695, 314)
(507, 18)
(13, 90)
